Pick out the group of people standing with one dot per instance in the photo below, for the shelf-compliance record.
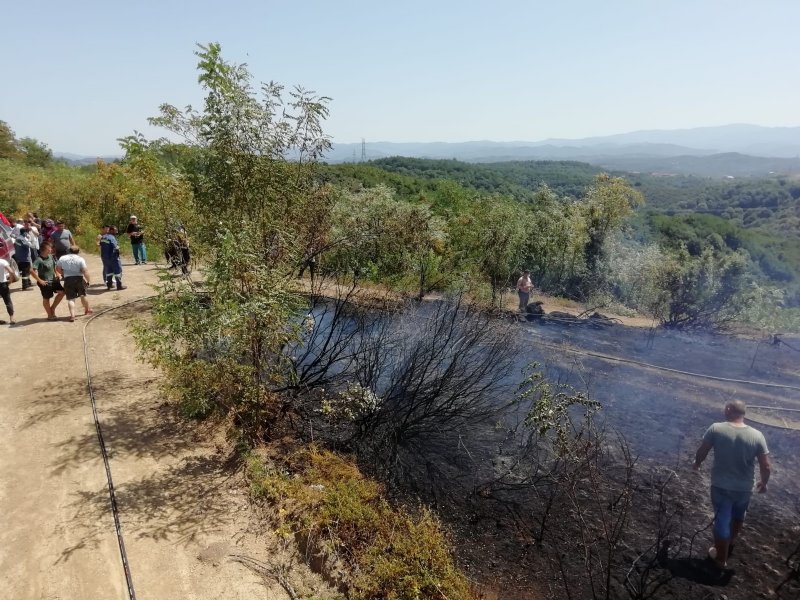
(46, 252)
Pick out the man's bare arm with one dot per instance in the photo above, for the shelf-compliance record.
(701, 454)
(765, 470)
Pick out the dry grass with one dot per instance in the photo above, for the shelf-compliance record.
(361, 542)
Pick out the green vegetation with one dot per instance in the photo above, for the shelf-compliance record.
(759, 217)
(337, 513)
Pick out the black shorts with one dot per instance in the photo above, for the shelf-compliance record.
(74, 287)
(50, 289)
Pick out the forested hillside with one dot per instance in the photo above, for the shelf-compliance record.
(761, 216)
(765, 202)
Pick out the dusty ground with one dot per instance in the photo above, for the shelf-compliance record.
(183, 508)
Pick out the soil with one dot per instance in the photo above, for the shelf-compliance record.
(185, 514)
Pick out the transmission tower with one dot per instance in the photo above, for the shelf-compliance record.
(363, 150)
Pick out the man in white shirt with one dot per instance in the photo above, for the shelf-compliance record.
(76, 278)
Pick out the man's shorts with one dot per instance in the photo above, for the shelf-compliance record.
(50, 289)
(74, 287)
(729, 505)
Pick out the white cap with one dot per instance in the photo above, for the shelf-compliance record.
(132, 217)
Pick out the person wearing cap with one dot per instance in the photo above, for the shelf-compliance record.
(134, 232)
(61, 239)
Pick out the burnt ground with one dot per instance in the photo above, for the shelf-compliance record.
(662, 416)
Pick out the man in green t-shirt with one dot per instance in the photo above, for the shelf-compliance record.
(43, 271)
(736, 447)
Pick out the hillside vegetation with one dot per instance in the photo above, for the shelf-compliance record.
(760, 216)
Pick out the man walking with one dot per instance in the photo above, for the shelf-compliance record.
(736, 448)
(134, 231)
(44, 272)
(76, 277)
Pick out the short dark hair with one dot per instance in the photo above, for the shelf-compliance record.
(74, 250)
(737, 407)
(59, 222)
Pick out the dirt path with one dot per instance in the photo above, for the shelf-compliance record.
(182, 505)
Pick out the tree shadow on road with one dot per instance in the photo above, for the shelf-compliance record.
(137, 428)
(178, 504)
(56, 398)
(166, 490)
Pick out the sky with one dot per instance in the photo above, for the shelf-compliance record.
(79, 75)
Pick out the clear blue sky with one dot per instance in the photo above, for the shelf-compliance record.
(78, 75)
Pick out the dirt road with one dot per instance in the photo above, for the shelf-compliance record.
(183, 509)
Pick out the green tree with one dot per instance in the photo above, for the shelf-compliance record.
(606, 205)
(554, 250)
(9, 147)
(492, 238)
(707, 291)
(374, 235)
(36, 153)
(253, 205)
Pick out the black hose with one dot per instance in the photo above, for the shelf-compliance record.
(111, 491)
(660, 368)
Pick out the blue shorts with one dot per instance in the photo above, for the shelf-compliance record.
(729, 505)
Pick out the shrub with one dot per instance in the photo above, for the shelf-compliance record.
(708, 291)
(389, 553)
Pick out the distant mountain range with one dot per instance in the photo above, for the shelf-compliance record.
(80, 159)
(728, 150)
